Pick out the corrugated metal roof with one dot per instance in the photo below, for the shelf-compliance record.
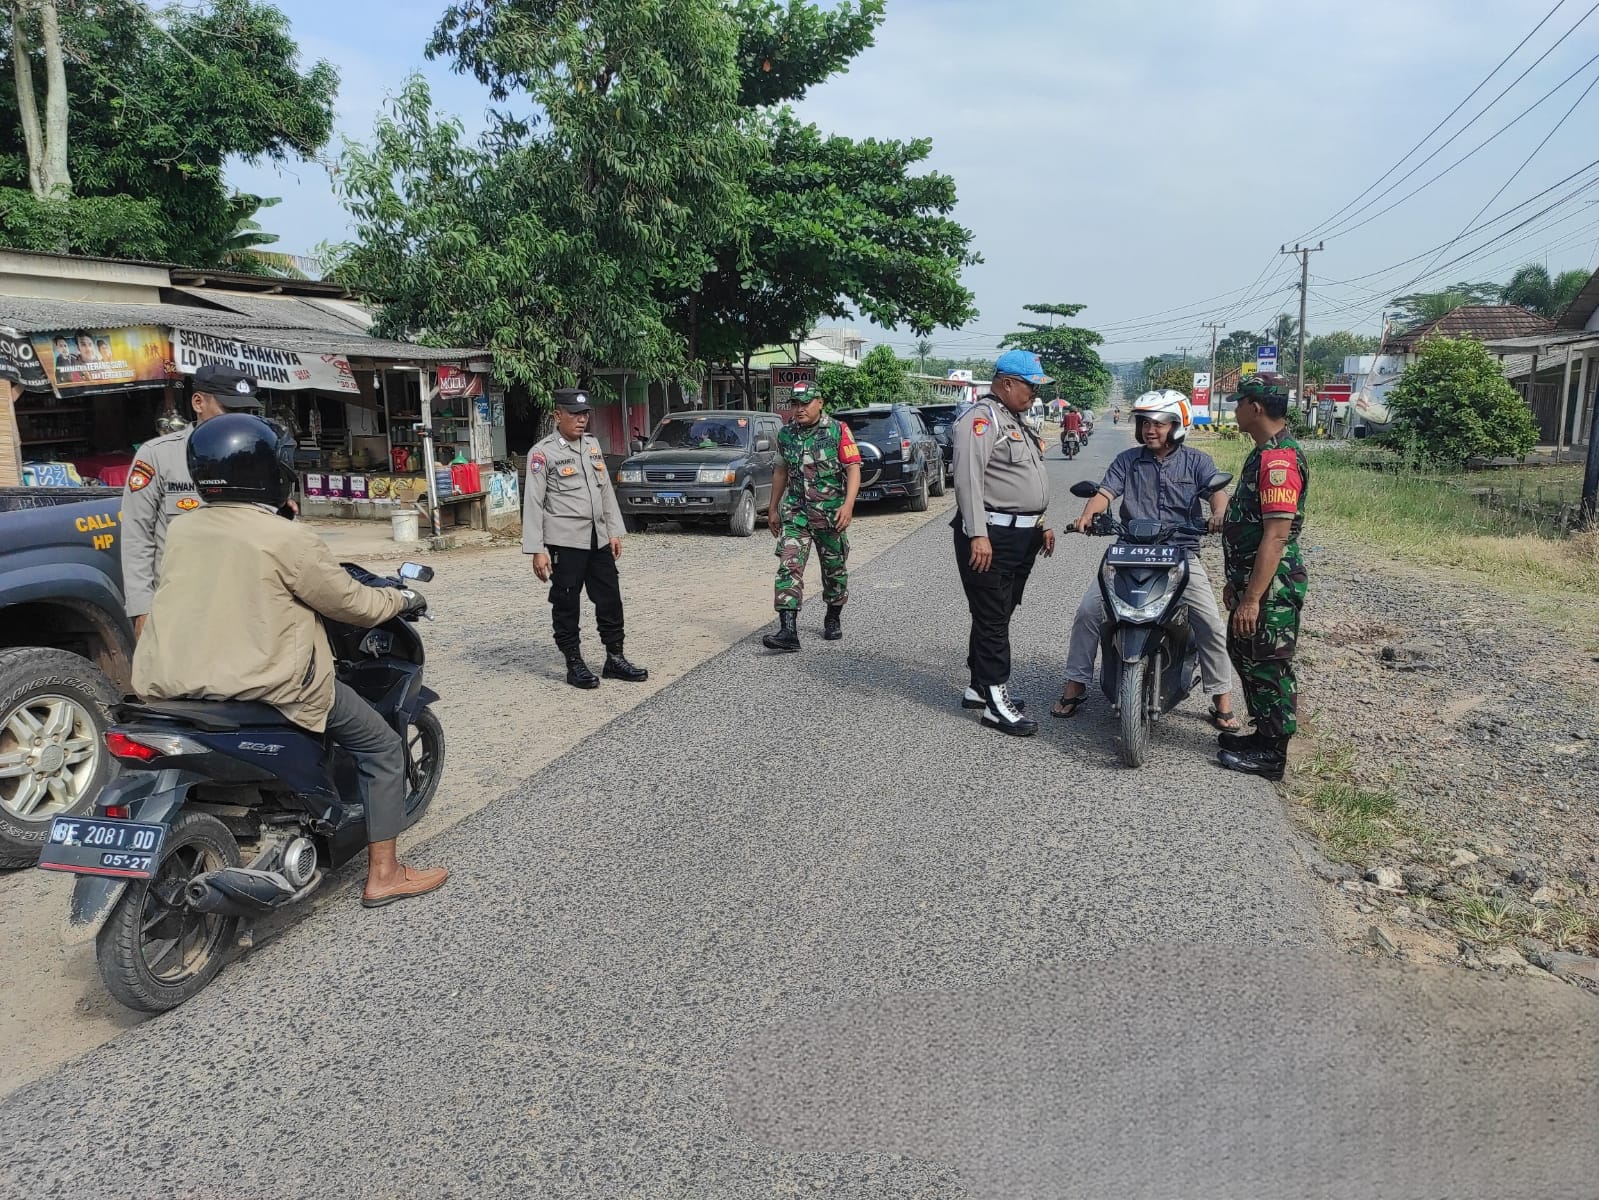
(297, 311)
(283, 331)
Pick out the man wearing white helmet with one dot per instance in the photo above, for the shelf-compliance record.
(1161, 479)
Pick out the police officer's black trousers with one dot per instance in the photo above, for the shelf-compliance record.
(573, 569)
(993, 595)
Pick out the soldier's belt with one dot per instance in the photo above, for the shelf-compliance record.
(1019, 520)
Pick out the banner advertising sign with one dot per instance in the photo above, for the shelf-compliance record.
(455, 383)
(81, 361)
(1246, 369)
(19, 362)
(270, 368)
(1266, 359)
(783, 381)
(1201, 398)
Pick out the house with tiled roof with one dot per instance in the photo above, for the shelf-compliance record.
(1557, 369)
(1482, 322)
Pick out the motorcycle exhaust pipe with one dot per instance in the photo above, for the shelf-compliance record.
(237, 892)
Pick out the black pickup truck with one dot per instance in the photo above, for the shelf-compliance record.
(65, 653)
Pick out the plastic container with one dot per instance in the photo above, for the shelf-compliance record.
(404, 523)
(441, 481)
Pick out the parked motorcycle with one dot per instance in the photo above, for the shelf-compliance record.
(1149, 658)
(225, 812)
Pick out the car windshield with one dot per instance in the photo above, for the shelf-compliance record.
(702, 433)
(877, 428)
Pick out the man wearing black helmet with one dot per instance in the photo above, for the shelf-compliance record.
(238, 614)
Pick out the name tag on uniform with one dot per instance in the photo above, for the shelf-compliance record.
(568, 470)
(594, 451)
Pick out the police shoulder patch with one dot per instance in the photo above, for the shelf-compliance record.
(140, 475)
(535, 463)
(979, 426)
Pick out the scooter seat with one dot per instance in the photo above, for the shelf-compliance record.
(214, 716)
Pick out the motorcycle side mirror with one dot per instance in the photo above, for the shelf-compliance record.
(1217, 482)
(416, 571)
(1086, 490)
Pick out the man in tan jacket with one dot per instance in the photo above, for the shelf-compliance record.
(237, 615)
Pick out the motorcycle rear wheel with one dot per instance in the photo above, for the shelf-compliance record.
(1134, 702)
(155, 952)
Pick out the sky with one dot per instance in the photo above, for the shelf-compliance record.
(1149, 160)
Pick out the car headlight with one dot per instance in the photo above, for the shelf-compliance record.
(630, 475)
(717, 475)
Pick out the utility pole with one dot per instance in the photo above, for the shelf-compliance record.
(1304, 253)
(1213, 326)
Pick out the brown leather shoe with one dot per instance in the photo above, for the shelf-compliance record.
(411, 883)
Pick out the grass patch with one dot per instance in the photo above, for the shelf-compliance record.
(1433, 519)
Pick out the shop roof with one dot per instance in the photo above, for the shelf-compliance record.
(303, 326)
(296, 311)
(1484, 322)
(1580, 311)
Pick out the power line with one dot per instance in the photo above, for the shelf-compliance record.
(1311, 232)
(1345, 228)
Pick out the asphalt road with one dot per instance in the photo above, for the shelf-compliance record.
(766, 839)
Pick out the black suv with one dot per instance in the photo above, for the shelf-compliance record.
(711, 468)
(899, 456)
(940, 419)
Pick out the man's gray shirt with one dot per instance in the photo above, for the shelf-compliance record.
(1165, 490)
(158, 489)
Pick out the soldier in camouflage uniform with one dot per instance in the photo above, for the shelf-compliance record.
(813, 500)
(1266, 578)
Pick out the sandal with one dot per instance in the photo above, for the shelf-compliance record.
(1226, 722)
(1066, 707)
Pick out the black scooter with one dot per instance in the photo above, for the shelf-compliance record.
(1070, 443)
(226, 812)
(1149, 659)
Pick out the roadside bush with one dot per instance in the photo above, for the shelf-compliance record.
(880, 379)
(1454, 404)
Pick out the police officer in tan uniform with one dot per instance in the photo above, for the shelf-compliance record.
(1001, 492)
(572, 526)
(159, 487)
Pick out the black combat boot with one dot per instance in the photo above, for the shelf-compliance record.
(787, 636)
(617, 666)
(973, 698)
(577, 671)
(1238, 741)
(832, 628)
(1267, 758)
(1002, 714)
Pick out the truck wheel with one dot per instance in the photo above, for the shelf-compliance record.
(54, 709)
(742, 523)
(937, 484)
(155, 951)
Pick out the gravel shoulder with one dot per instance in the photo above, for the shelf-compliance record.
(1452, 775)
(506, 711)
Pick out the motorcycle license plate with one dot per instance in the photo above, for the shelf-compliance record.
(669, 497)
(1145, 556)
(871, 494)
(95, 846)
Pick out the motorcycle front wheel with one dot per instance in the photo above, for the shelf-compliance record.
(155, 952)
(1133, 699)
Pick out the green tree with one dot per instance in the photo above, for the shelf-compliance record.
(553, 242)
(880, 378)
(244, 250)
(1453, 404)
(832, 226)
(1176, 377)
(1325, 353)
(923, 349)
(1237, 347)
(1068, 354)
(1417, 308)
(1533, 288)
(158, 102)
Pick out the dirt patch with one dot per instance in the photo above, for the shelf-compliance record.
(505, 707)
(1451, 775)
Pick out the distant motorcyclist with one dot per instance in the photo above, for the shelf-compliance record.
(1073, 422)
(238, 614)
(1159, 480)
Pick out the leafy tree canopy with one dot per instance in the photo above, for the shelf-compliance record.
(1417, 308)
(1534, 288)
(158, 102)
(1067, 352)
(1453, 404)
(879, 378)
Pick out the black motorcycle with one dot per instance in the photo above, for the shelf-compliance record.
(1149, 659)
(226, 812)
